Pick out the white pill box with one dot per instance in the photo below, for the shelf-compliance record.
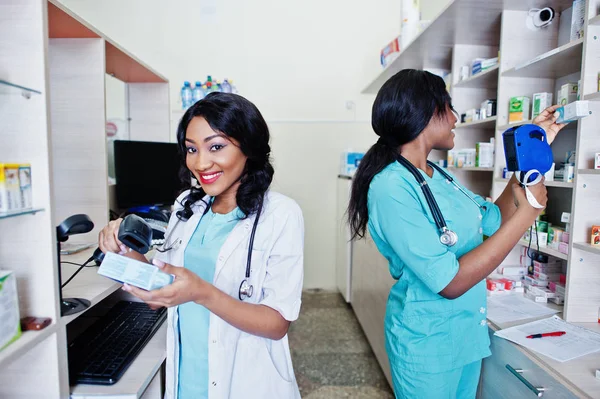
(133, 272)
(572, 112)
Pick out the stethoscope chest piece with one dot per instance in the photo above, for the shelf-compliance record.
(246, 290)
(448, 238)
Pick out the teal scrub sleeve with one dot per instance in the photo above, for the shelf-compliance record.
(492, 218)
(400, 220)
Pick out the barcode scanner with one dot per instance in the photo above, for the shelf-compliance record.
(134, 233)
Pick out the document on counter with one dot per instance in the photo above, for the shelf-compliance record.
(514, 307)
(577, 341)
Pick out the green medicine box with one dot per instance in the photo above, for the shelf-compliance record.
(10, 326)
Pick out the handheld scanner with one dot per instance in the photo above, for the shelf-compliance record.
(526, 149)
(135, 233)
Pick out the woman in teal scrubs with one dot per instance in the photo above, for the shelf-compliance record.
(435, 325)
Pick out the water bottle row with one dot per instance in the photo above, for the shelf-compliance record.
(190, 95)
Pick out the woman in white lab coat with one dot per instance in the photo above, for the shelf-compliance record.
(220, 342)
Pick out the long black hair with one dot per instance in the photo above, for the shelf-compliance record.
(402, 109)
(239, 119)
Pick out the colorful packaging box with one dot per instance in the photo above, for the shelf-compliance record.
(554, 236)
(567, 93)
(484, 155)
(595, 239)
(563, 247)
(3, 191)
(572, 111)
(541, 101)
(10, 326)
(390, 52)
(518, 109)
(13, 190)
(577, 19)
(597, 160)
(25, 186)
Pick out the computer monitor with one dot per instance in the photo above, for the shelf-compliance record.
(147, 173)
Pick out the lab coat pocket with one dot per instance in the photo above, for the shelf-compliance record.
(258, 375)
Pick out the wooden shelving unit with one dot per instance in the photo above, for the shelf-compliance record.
(47, 51)
(544, 250)
(12, 214)
(483, 80)
(558, 62)
(472, 169)
(482, 123)
(551, 183)
(584, 246)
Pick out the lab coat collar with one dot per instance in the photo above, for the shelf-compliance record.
(239, 234)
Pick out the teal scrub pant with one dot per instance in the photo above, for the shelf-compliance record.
(460, 383)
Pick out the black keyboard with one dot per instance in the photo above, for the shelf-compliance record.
(104, 351)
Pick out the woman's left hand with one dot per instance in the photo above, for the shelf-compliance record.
(547, 121)
(187, 287)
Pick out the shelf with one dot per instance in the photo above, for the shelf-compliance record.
(483, 123)
(594, 21)
(553, 64)
(12, 214)
(552, 183)
(12, 88)
(544, 250)
(587, 247)
(26, 341)
(506, 127)
(472, 169)
(588, 171)
(137, 377)
(432, 48)
(592, 97)
(483, 80)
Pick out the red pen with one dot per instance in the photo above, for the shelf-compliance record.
(550, 334)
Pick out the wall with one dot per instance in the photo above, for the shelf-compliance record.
(302, 63)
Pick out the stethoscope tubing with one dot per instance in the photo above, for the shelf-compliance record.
(436, 212)
(242, 295)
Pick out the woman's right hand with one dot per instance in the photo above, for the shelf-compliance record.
(539, 192)
(108, 239)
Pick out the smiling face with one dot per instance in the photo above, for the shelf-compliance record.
(442, 129)
(215, 160)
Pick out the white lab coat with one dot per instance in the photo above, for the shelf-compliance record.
(242, 365)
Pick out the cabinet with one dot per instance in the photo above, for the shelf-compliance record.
(509, 373)
(52, 107)
(343, 244)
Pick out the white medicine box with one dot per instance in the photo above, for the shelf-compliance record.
(10, 326)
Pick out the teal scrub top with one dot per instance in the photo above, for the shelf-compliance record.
(200, 257)
(426, 332)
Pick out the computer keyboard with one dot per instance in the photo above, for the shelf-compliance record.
(104, 351)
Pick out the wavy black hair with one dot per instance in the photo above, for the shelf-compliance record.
(237, 118)
(404, 106)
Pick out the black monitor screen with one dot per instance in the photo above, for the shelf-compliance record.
(147, 173)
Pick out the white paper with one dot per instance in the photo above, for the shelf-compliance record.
(514, 307)
(577, 341)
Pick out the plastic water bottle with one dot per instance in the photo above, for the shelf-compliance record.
(209, 87)
(198, 93)
(234, 89)
(186, 95)
(226, 87)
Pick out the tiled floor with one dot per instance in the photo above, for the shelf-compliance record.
(330, 353)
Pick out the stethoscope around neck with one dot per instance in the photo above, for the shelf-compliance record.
(447, 236)
(246, 289)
